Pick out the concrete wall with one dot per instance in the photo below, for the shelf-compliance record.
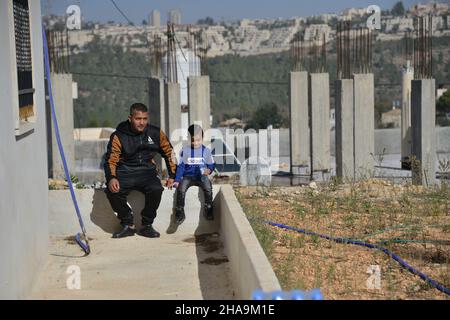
(299, 119)
(88, 153)
(250, 268)
(442, 139)
(344, 128)
(23, 166)
(172, 111)
(199, 99)
(388, 141)
(423, 115)
(88, 160)
(62, 95)
(407, 76)
(319, 110)
(364, 124)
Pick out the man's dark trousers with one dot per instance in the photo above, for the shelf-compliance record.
(143, 179)
(187, 182)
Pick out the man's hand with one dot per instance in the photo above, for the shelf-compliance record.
(169, 183)
(207, 172)
(176, 184)
(114, 185)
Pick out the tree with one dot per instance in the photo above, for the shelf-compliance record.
(443, 104)
(398, 9)
(440, 58)
(265, 116)
(144, 22)
(93, 123)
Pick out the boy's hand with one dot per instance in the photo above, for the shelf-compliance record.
(176, 184)
(207, 172)
(169, 183)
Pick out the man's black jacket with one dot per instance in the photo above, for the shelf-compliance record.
(137, 149)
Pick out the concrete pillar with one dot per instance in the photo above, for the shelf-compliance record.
(406, 140)
(364, 124)
(319, 109)
(344, 129)
(172, 111)
(156, 105)
(156, 110)
(299, 121)
(199, 100)
(423, 120)
(62, 96)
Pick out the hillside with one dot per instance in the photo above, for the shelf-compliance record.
(239, 85)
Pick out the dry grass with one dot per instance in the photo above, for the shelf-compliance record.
(374, 210)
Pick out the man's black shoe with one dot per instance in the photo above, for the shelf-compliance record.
(209, 215)
(127, 231)
(149, 232)
(179, 216)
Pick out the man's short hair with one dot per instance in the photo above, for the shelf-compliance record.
(135, 107)
(195, 130)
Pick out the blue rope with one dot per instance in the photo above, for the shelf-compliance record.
(84, 246)
(403, 263)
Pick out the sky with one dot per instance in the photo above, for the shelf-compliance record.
(228, 10)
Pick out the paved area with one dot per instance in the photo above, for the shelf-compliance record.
(187, 262)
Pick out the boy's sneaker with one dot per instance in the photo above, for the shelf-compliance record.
(209, 215)
(127, 231)
(148, 232)
(179, 216)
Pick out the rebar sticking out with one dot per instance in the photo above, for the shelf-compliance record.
(354, 50)
(59, 51)
(423, 47)
(172, 70)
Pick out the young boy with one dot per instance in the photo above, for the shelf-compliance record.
(195, 165)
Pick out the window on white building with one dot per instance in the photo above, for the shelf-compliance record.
(23, 59)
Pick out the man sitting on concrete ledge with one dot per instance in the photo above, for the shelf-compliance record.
(129, 165)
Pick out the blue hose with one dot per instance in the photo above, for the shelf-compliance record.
(403, 263)
(83, 245)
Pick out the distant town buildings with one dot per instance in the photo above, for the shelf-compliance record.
(398, 24)
(259, 36)
(155, 19)
(315, 32)
(350, 13)
(174, 16)
(430, 8)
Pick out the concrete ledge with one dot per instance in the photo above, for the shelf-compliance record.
(99, 218)
(250, 268)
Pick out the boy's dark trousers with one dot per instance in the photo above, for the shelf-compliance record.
(143, 179)
(187, 182)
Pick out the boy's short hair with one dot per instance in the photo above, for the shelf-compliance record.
(135, 107)
(195, 130)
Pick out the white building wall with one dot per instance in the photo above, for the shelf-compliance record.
(23, 166)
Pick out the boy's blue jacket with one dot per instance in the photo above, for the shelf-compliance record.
(192, 160)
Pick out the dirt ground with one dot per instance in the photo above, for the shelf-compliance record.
(411, 221)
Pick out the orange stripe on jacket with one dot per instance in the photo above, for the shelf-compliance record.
(167, 148)
(116, 151)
